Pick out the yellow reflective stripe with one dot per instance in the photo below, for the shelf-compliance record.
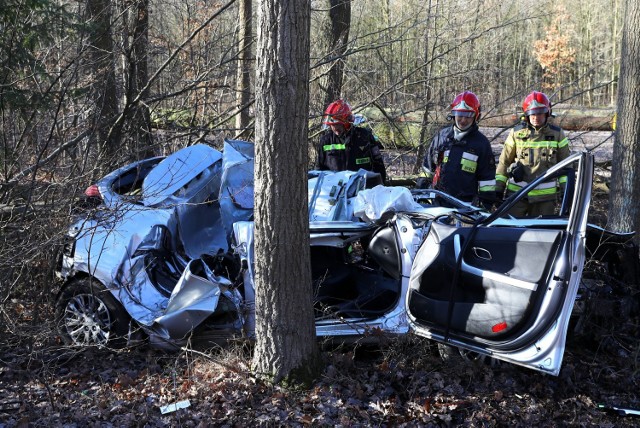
(562, 179)
(563, 143)
(512, 187)
(540, 144)
(540, 192)
(487, 188)
(328, 147)
(501, 178)
(541, 189)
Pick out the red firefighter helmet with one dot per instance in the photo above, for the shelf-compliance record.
(466, 104)
(338, 112)
(536, 103)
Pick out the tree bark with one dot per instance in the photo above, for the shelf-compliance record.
(286, 349)
(624, 198)
(134, 124)
(425, 128)
(243, 77)
(103, 86)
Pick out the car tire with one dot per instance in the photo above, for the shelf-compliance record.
(87, 314)
(452, 354)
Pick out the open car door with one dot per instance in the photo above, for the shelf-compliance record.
(504, 287)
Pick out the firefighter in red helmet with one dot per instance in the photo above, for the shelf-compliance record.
(460, 158)
(347, 147)
(532, 147)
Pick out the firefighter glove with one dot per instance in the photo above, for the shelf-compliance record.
(516, 171)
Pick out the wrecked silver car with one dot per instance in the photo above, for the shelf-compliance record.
(166, 255)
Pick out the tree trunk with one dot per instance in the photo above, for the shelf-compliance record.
(243, 77)
(614, 45)
(103, 86)
(134, 124)
(340, 24)
(286, 349)
(425, 126)
(624, 198)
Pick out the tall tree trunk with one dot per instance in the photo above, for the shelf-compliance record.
(103, 85)
(426, 127)
(140, 74)
(614, 45)
(286, 348)
(134, 124)
(339, 26)
(243, 77)
(624, 199)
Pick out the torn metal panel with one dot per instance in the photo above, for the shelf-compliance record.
(236, 189)
(330, 193)
(181, 176)
(193, 299)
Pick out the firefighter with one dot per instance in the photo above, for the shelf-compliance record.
(532, 147)
(460, 160)
(344, 146)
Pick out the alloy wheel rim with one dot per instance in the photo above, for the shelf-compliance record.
(87, 320)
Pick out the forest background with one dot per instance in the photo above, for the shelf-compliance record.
(89, 86)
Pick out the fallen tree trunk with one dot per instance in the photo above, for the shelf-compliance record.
(567, 122)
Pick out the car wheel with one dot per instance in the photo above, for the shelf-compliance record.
(452, 354)
(87, 314)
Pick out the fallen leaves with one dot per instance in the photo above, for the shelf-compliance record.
(406, 387)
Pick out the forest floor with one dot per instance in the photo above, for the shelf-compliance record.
(399, 382)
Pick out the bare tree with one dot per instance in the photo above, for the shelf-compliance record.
(624, 199)
(286, 349)
(426, 71)
(103, 82)
(338, 37)
(136, 117)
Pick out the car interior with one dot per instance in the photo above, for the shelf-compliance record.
(360, 280)
(129, 184)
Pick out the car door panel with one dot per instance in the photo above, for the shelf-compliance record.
(493, 293)
(501, 286)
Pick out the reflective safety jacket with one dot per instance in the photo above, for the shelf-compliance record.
(355, 149)
(464, 169)
(537, 150)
